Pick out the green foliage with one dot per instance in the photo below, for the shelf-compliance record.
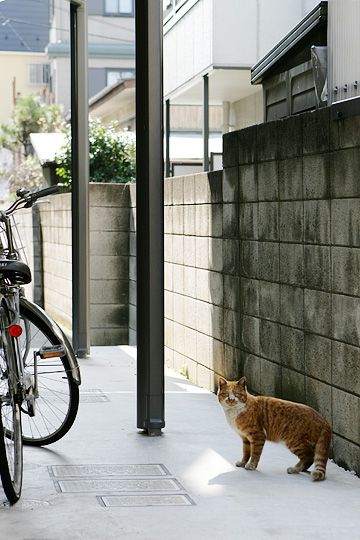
(28, 174)
(30, 115)
(111, 155)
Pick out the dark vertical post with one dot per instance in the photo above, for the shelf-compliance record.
(149, 217)
(167, 138)
(80, 179)
(206, 121)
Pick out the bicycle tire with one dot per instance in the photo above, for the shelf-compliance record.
(11, 454)
(57, 405)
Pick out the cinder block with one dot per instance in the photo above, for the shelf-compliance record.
(268, 261)
(345, 270)
(270, 378)
(249, 296)
(316, 176)
(292, 264)
(216, 220)
(189, 312)
(247, 145)
(270, 340)
(132, 244)
(230, 256)
(203, 349)
(268, 182)
(318, 396)
(179, 338)
(216, 254)
(178, 278)
(114, 219)
(292, 348)
(290, 137)
(190, 220)
(202, 189)
(217, 322)
(345, 222)
(178, 190)
(177, 219)
(168, 248)
(168, 276)
(232, 327)
(132, 268)
(248, 189)
(109, 243)
(190, 343)
(178, 308)
(109, 336)
(316, 131)
(203, 317)
(292, 305)
(169, 305)
(203, 285)
(346, 454)
(217, 354)
(318, 357)
(250, 334)
(169, 357)
(269, 302)
(189, 250)
(230, 188)
(292, 221)
(345, 316)
(232, 292)
(346, 366)
(249, 259)
(107, 267)
(202, 245)
(169, 333)
(109, 315)
(215, 284)
(105, 195)
(178, 249)
(267, 141)
(252, 372)
(290, 179)
(344, 169)
(346, 415)
(202, 220)
(189, 189)
(317, 267)
(132, 337)
(317, 312)
(233, 367)
(345, 133)
(293, 385)
(317, 222)
(230, 220)
(114, 291)
(248, 216)
(204, 377)
(190, 281)
(168, 198)
(230, 149)
(215, 183)
(269, 221)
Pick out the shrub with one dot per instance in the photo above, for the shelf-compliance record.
(111, 155)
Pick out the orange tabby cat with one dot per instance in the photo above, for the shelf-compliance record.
(257, 418)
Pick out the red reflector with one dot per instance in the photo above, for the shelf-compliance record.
(15, 330)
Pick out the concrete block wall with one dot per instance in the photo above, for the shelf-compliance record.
(299, 245)
(109, 261)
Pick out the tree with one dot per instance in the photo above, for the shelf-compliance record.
(30, 115)
(111, 154)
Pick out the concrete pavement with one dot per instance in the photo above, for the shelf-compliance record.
(105, 480)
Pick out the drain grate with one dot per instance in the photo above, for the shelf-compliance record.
(138, 484)
(88, 471)
(144, 500)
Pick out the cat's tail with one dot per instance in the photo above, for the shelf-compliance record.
(321, 453)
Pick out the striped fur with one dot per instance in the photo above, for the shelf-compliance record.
(257, 418)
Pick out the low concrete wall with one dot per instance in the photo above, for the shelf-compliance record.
(109, 262)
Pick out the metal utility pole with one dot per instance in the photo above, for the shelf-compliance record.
(206, 121)
(80, 178)
(149, 216)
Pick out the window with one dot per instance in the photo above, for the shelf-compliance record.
(39, 73)
(114, 75)
(119, 7)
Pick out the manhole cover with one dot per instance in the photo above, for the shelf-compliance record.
(129, 485)
(144, 500)
(65, 471)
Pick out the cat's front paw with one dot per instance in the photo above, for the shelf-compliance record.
(292, 470)
(240, 464)
(250, 466)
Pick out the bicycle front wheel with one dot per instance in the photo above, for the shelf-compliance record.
(11, 455)
(58, 401)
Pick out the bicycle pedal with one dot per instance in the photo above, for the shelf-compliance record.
(51, 352)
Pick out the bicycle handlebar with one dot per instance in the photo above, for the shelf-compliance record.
(26, 199)
(41, 193)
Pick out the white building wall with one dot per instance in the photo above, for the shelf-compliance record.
(188, 46)
(343, 48)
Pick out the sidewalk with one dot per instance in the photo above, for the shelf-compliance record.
(84, 487)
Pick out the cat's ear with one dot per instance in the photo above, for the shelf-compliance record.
(222, 382)
(242, 383)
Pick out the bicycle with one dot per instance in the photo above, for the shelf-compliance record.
(39, 373)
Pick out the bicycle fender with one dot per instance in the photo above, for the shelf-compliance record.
(41, 314)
